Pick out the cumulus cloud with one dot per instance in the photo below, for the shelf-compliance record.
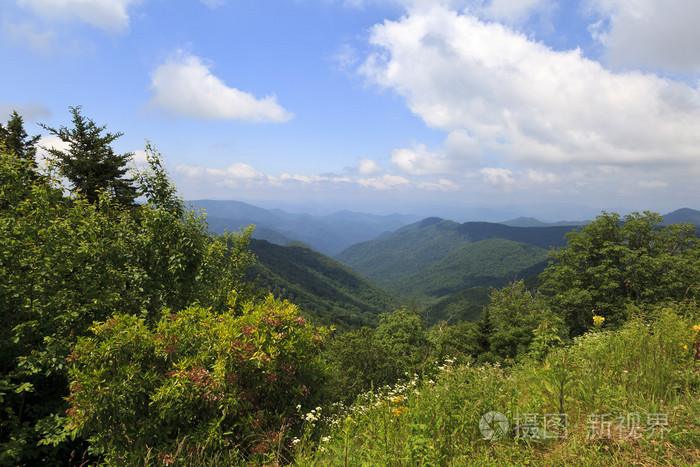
(234, 172)
(139, 158)
(441, 185)
(649, 33)
(109, 15)
(419, 161)
(185, 86)
(367, 166)
(384, 183)
(526, 103)
(497, 176)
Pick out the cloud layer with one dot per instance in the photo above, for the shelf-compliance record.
(104, 14)
(526, 103)
(648, 33)
(185, 86)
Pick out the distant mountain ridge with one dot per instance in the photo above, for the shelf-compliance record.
(328, 234)
(532, 222)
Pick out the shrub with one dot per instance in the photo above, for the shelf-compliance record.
(196, 383)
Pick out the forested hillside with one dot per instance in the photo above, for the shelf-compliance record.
(493, 262)
(325, 290)
(435, 258)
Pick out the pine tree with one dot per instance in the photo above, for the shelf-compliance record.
(18, 142)
(90, 163)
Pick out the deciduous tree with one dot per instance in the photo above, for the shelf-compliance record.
(611, 263)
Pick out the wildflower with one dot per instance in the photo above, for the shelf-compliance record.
(598, 320)
(296, 441)
(325, 439)
(696, 328)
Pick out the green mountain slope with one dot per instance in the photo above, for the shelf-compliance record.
(407, 251)
(491, 262)
(325, 290)
(415, 247)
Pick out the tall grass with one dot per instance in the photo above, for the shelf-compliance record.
(625, 397)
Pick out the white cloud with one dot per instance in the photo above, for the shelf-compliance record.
(419, 161)
(384, 183)
(525, 103)
(368, 166)
(541, 177)
(497, 176)
(235, 171)
(104, 14)
(441, 185)
(649, 33)
(139, 157)
(184, 86)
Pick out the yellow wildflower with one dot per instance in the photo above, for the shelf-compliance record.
(598, 320)
(696, 328)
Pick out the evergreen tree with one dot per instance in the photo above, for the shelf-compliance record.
(17, 141)
(90, 163)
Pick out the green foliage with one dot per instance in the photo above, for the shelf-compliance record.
(645, 371)
(361, 362)
(522, 321)
(467, 305)
(65, 263)
(326, 291)
(609, 265)
(492, 262)
(413, 249)
(18, 142)
(369, 358)
(90, 163)
(213, 381)
(460, 340)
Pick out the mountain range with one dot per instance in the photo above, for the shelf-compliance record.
(328, 234)
(436, 258)
(382, 262)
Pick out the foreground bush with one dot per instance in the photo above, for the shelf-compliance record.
(66, 262)
(197, 384)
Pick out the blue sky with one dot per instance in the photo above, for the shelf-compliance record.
(378, 105)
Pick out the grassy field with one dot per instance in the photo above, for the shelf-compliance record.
(625, 397)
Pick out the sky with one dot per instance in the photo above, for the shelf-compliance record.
(411, 106)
